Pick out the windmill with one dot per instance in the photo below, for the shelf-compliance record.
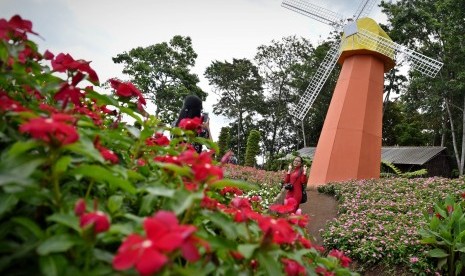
(349, 146)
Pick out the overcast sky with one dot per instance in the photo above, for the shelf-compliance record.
(97, 30)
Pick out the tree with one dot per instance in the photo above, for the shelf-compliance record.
(239, 86)
(224, 141)
(252, 148)
(278, 63)
(435, 28)
(162, 73)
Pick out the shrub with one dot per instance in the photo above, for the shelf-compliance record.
(252, 148)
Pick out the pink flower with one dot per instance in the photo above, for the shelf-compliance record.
(414, 260)
(98, 220)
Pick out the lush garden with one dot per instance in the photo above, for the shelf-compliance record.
(82, 192)
(400, 222)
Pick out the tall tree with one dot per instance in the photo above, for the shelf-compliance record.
(435, 28)
(239, 87)
(162, 73)
(278, 63)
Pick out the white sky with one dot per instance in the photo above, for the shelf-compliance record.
(97, 30)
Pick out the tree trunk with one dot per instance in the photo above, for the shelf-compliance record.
(462, 160)
(454, 142)
(303, 134)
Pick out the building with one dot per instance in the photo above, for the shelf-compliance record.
(434, 159)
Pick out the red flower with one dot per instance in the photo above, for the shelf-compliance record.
(322, 271)
(288, 206)
(80, 207)
(16, 27)
(280, 230)
(292, 267)
(190, 123)
(345, 261)
(139, 252)
(48, 55)
(231, 190)
(63, 62)
(7, 104)
(127, 89)
(52, 130)
(107, 154)
(159, 139)
(98, 220)
(164, 235)
(450, 209)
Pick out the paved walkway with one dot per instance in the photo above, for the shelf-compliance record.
(320, 208)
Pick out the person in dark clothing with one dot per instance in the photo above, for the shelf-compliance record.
(192, 107)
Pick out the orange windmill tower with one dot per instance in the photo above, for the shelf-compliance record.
(349, 146)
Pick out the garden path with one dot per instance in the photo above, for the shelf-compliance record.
(321, 208)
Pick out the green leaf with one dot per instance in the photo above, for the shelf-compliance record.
(7, 203)
(234, 183)
(22, 146)
(30, 225)
(58, 243)
(182, 171)
(183, 203)
(70, 221)
(61, 165)
(85, 147)
(146, 206)
(114, 203)
(18, 171)
(135, 132)
(161, 191)
(102, 255)
(438, 253)
(52, 265)
(247, 250)
(269, 263)
(224, 224)
(100, 174)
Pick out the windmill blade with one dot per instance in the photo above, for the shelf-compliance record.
(419, 62)
(316, 83)
(316, 12)
(364, 8)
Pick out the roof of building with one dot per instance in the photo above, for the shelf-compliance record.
(395, 155)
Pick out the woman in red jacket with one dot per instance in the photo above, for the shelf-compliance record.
(295, 180)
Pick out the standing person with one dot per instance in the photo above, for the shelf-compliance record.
(295, 180)
(192, 107)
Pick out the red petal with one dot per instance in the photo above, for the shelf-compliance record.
(150, 262)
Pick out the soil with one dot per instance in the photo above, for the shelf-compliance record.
(321, 208)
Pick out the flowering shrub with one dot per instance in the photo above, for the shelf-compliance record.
(83, 193)
(379, 220)
(268, 182)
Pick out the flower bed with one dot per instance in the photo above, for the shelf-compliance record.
(379, 220)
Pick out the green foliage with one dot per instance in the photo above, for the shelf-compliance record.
(398, 173)
(379, 220)
(162, 72)
(445, 232)
(253, 148)
(224, 141)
